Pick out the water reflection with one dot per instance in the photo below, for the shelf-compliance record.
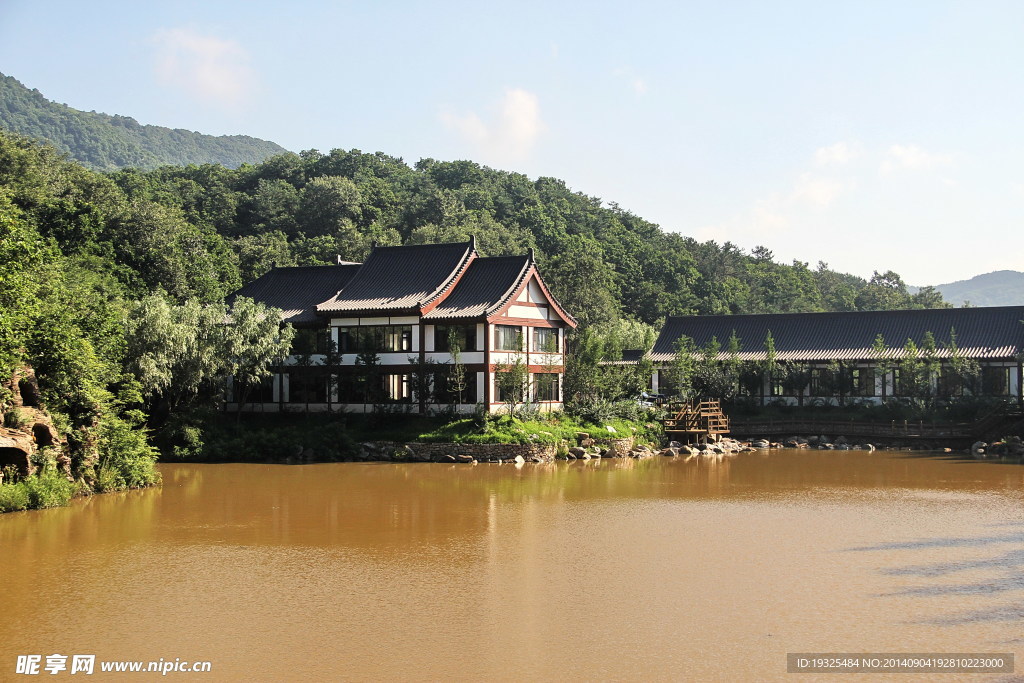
(617, 569)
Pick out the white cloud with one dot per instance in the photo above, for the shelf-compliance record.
(839, 154)
(913, 158)
(814, 190)
(782, 216)
(636, 83)
(208, 68)
(512, 132)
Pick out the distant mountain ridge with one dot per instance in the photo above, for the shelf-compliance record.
(106, 143)
(999, 288)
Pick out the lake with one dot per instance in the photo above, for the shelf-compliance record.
(656, 569)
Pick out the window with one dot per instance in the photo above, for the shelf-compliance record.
(995, 381)
(665, 384)
(508, 391)
(375, 338)
(545, 386)
(904, 382)
(822, 382)
(446, 391)
(396, 388)
(309, 340)
(464, 336)
(259, 392)
(508, 338)
(351, 388)
(307, 388)
(950, 382)
(862, 382)
(398, 338)
(750, 383)
(545, 340)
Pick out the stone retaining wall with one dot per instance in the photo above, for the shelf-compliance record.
(448, 452)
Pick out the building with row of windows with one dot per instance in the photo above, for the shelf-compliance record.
(430, 326)
(860, 355)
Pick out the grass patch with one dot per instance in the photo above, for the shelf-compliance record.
(46, 490)
(275, 437)
(552, 430)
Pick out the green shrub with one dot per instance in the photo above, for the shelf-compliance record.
(13, 497)
(48, 489)
(16, 418)
(126, 458)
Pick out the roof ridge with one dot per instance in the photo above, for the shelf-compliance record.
(469, 257)
(510, 292)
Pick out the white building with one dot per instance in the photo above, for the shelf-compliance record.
(382, 332)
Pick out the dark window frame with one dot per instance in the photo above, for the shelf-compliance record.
(546, 387)
(506, 340)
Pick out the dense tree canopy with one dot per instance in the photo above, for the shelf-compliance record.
(105, 142)
(104, 278)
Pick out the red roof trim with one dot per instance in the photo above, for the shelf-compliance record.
(442, 293)
(510, 300)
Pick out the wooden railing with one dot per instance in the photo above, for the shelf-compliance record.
(989, 427)
(701, 417)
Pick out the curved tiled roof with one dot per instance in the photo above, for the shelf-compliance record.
(297, 290)
(401, 278)
(485, 287)
(994, 332)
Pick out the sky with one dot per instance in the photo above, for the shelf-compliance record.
(868, 135)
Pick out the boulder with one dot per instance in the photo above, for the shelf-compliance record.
(978, 449)
(465, 458)
(520, 460)
(444, 457)
(577, 452)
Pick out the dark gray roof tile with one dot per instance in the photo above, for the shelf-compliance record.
(401, 278)
(994, 332)
(297, 290)
(486, 287)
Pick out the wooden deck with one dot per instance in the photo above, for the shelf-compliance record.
(696, 422)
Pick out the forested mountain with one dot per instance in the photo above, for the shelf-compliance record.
(1000, 288)
(112, 285)
(603, 262)
(104, 142)
(202, 231)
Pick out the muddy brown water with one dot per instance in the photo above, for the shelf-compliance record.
(618, 569)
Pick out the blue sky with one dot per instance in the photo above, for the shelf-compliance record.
(870, 135)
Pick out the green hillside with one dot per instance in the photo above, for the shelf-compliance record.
(110, 283)
(1000, 288)
(104, 142)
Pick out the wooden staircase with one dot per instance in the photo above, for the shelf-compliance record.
(696, 422)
